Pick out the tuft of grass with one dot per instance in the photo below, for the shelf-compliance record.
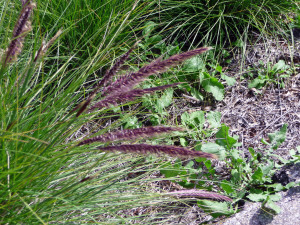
(220, 23)
(45, 176)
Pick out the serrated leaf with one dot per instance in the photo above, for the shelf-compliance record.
(275, 197)
(257, 197)
(278, 138)
(212, 85)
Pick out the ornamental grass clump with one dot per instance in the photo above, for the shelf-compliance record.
(46, 175)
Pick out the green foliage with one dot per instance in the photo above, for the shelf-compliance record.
(195, 71)
(250, 178)
(216, 209)
(89, 23)
(219, 22)
(45, 177)
(271, 75)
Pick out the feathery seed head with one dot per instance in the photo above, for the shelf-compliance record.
(22, 27)
(158, 66)
(127, 96)
(159, 149)
(131, 134)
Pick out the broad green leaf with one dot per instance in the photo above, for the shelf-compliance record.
(229, 80)
(194, 119)
(154, 39)
(257, 83)
(196, 94)
(219, 68)
(252, 152)
(216, 208)
(214, 149)
(214, 119)
(197, 118)
(212, 85)
(271, 205)
(275, 198)
(266, 169)
(257, 197)
(165, 100)
(235, 153)
(278, 138)
(291, 184)
(227, 187)
(183, 142)
(277, 187)
(208, 164)
(193, 64)
(236, 176)
(224, 139)
(258, 175)
(280, 66)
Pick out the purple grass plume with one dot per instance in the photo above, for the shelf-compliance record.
(126, 83)
(21, 29)
(115, 68)
(192, 193)
(131, 134)
(122, 89)
(159, 150)
(127, 96)
(106, 78)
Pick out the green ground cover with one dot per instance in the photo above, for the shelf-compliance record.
(53, 56)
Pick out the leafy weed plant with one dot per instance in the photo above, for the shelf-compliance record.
(276, 74)
(248, 178)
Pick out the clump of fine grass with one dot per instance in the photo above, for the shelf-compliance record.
(45, 178)
(222, 22)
